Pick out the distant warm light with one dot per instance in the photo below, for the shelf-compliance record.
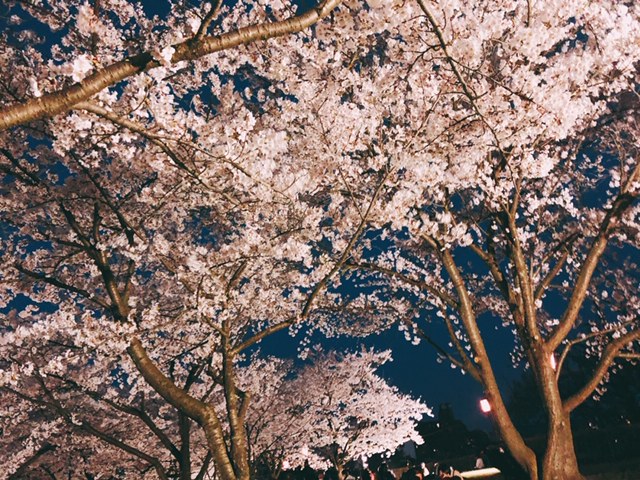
(485, 406)
(552, 361)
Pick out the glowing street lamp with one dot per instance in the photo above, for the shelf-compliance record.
(485, 406)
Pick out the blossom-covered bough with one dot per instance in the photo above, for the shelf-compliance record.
(468, 162)
(58, 427)
(91, 23)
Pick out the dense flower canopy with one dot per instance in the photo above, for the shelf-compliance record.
(378, 163)
(333, 410)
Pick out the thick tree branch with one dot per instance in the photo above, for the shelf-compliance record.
(467, 314)
(60, 101)
(184, 458)
(622, 202)
(204, 467)
(524, 280)
(485, 370)
(237, 432)
(163, 385)
(209, 17)
(262, 334)
(200, 412)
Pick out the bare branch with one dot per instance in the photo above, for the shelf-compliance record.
(629, 356)
(481, 358)
(622, 202)
(584, 338)
(608, 357)
(435, 291)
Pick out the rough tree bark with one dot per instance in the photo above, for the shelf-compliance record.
(202, 413)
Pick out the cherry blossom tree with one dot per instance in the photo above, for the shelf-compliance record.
(134, 225)
(515, 200)
(131, 227)
(195, 192)
(330, 411)
(574, 245)
(74, 413)
(109, 269)
(501, 126)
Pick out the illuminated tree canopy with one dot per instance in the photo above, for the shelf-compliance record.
(179, 185)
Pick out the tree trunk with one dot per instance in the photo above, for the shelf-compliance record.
(238, 444)
(560, 462)
(521, 453)
(203, 413)
(509, 434)
(218, 447)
